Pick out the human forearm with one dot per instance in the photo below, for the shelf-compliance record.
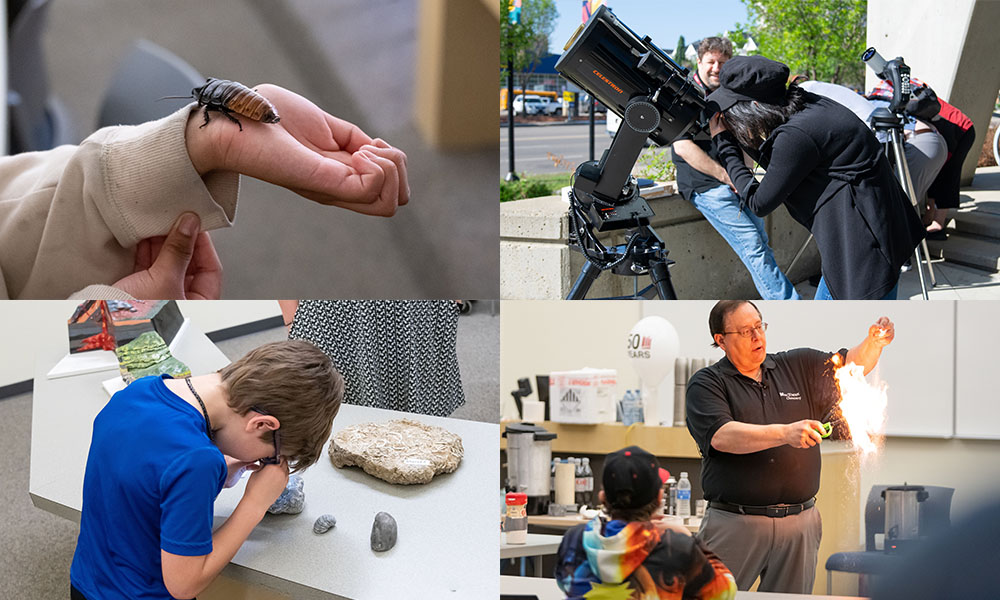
(226, 541)
(690, 153)
(744, 438)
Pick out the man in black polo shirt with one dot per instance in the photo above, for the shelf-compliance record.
(756, 418)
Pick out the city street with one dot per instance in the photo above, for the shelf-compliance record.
(568, 145)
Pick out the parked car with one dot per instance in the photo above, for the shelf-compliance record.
(534, 105)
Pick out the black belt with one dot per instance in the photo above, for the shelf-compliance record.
(774, 510)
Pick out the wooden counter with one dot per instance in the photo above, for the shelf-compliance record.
(607, 437)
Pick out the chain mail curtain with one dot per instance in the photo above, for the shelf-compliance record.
(393, 354)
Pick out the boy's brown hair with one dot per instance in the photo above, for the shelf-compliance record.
(296, 383)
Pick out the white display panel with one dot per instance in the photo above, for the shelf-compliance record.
(977, 397)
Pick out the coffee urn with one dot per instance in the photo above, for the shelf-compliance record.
(529, 462)
(902, 515)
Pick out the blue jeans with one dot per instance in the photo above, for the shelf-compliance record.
(744, 231)
(823, 293)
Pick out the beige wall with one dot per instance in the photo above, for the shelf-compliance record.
(25, 324)
(972, 467)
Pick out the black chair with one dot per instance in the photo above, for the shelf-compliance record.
(935, 515)
(146, 74)
(38, 120)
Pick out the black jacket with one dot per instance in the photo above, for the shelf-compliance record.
(827, 167)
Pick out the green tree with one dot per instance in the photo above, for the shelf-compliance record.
(525, 43)
(822, 39)
(679, 53)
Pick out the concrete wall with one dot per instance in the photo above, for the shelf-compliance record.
(535, 262)
(952, 46)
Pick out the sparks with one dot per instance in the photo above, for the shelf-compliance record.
(863, 405)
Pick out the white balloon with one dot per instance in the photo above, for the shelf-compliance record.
(653, 346)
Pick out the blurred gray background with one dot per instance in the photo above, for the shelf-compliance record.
(356, 60)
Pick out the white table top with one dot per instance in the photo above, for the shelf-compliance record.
(546, 589)
(538, 544)
(570, 521)
(447, 528)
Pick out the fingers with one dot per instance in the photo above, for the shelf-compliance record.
(398, 157)
(143, 255)
(204, 275)
(347, 135)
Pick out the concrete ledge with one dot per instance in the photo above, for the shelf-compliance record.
(536, 263)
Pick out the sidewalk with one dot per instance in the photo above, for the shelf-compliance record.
(966, 243)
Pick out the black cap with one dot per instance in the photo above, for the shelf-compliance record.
(631, 470)
(750, 78)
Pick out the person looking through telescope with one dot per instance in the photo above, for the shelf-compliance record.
(704, 182)
(825, 166)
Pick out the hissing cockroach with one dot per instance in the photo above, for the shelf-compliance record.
(230, 97)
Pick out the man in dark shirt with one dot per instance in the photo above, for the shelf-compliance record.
(704, 182)
(756, 418)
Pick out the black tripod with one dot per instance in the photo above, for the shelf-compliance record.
(605, 196)
(641, 254)
(891, 125)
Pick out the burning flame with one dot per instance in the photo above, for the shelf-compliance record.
(863, 405)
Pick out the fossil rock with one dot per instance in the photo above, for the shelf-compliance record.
(398, 451)
(383, 532)
(324, 523)
(291, 500)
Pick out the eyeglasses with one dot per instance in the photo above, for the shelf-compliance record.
(746, 332)
(271, 460)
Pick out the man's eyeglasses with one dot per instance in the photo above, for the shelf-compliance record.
(746, 332)
(271, 460)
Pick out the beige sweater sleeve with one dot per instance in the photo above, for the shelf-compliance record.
(71, 217)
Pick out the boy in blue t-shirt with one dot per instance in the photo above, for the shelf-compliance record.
(162, 450)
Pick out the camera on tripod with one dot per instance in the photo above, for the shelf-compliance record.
(888, 126)
(894, 71)
(655, 99)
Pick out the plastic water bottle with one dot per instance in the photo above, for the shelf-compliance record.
(588, 482)
(684, 497)
(579, 484)
(671, 496)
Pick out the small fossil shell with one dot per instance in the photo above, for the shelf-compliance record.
(324, 523)
(383, 532)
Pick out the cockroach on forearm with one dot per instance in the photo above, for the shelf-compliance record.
(232, 97)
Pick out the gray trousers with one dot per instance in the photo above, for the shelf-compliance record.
(781, 551)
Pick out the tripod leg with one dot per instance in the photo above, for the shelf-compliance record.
(660, 274)
(798, 254)
(588, 275)
(927, 257)
(920, 270)
(903, 174)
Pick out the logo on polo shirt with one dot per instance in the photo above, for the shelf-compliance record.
(790, 395)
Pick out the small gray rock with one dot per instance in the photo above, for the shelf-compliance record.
(324, 523)
(383, 532)
(291, 500)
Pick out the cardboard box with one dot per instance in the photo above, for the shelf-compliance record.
(586, 396)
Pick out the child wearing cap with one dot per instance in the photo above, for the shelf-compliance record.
(629, 552)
